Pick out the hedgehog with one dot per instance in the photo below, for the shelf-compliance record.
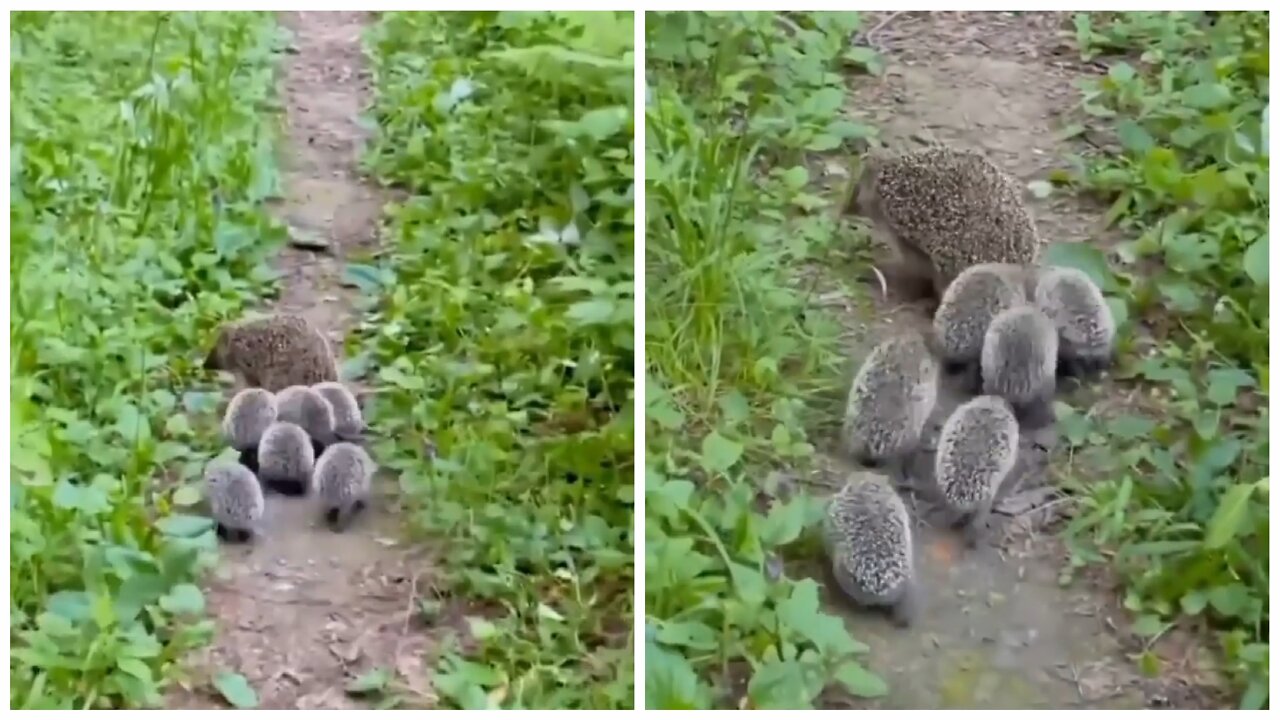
(977, 295)
(248, 415)
(342, 479)
(311, 411)
(286, 458)
(1086, 327)
(867, 533)
(944, 209)
(348, 422)
(235, 500)
(273, 352)
(1019, 363)
(890, 399)
(976, 451)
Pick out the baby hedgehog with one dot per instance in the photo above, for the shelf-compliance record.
(348, 422)
(342, 478)
(273, 352)
(1086, 327)
(235, 500)
(286, 459)
(309, 410)
(977, 295)
(977, 449)
(867, 533)
(248, 415)
(944, 209)
(1019, 363)
(891, 398)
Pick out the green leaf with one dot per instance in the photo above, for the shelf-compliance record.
(859, 681)
(1257, 260)
(1134, 137)
(187, 495)
(374, 681)
(719, 453)
(1084, 257)
(135, 668)
(688, 634)
(603, 123)
(592, 312)
(187, 526)
(235, 688)
(671, 682)
(184, 599)
(367, 278)
(1207, 96)
(1229, 519)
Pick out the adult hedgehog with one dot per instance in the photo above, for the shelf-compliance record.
(944, 209)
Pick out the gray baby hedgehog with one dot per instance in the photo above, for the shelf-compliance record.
(286, 459)
(1019, 363)
(868, 536)
(944, 209)
(970, 302)
(348, 421)
(273, 352)
(890, 399)
(235, 500)
(977, 449)
(343, 477)
(311, 411)
(248, 415)
(1086, 327)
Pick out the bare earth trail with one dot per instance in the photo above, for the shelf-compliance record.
(996, 630)
(303, 611)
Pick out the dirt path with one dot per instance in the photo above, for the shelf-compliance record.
(303, 610)
(997, 629)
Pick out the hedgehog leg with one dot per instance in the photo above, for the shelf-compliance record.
(904, 612)
(249, 459)
(291, 487)
(1035, 414)
(975, 530)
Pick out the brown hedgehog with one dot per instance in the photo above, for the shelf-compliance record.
(944, 209)
(273, 352)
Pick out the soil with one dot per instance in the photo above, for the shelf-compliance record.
(997, 628)
(302, 610)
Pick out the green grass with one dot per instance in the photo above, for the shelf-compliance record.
(500, 328)
(141, 152)
(1175, 487)
(737, 359)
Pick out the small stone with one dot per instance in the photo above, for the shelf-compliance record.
(307, 240)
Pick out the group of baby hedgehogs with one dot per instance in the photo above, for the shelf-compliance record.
(1005, 329)
(297, 427)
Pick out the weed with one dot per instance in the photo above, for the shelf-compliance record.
(736, 355)
(501, 328)
(1176, 491)
(140, 159)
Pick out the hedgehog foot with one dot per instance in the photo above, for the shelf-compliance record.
(291, 488)
(249, 459)
(1082, 368)
(232, 535)
(338, 520)
(904, 612)
(1034, 415)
